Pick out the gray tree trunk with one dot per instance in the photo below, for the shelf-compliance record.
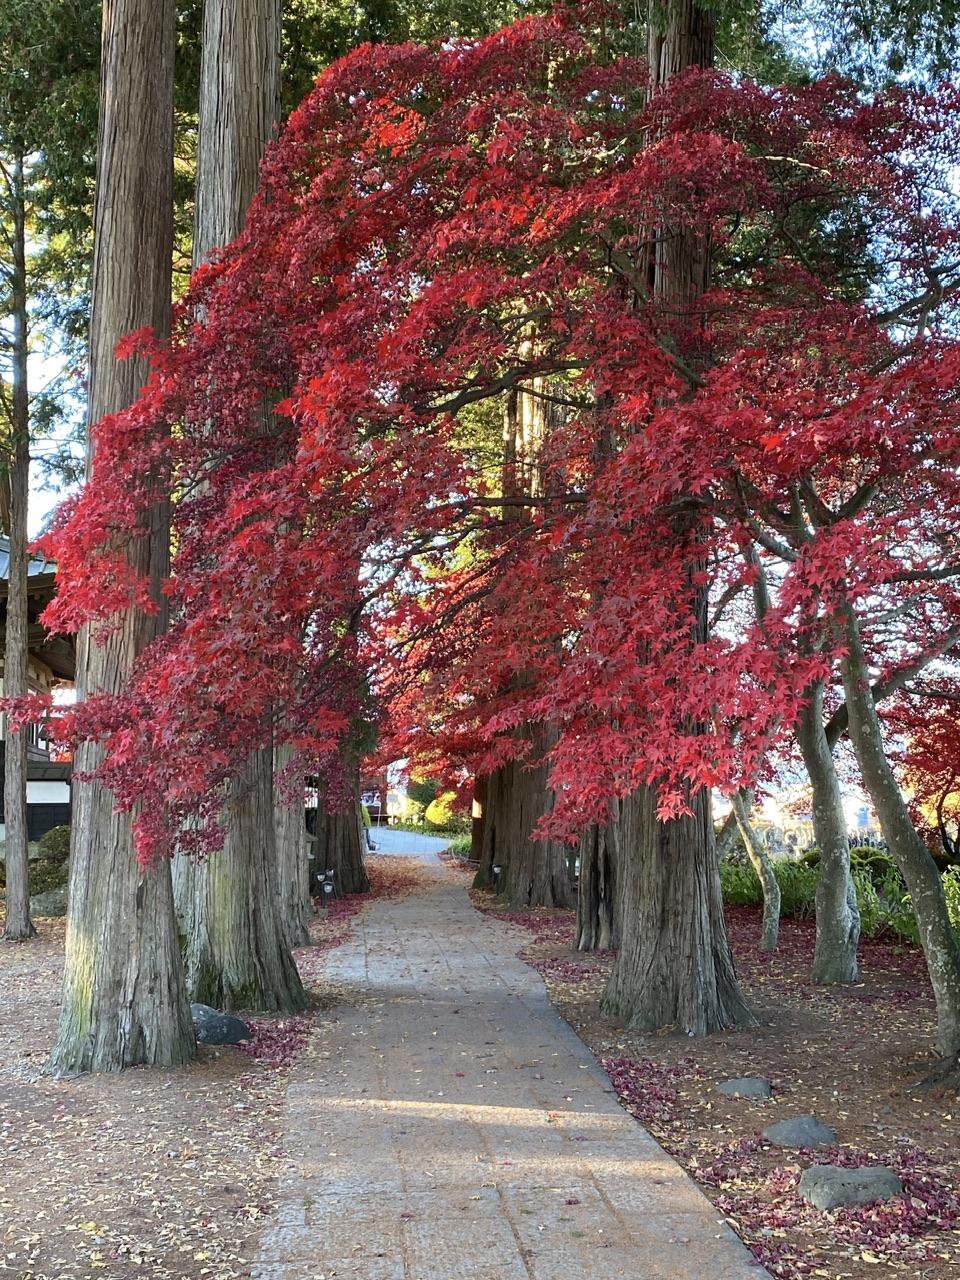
(760, 861)
(674, 967)
(598, 916)
(236, 955)
(17, 925)
(293, 874)
(838, 917)
(124, 1001)
(237, 950)
(940, 944)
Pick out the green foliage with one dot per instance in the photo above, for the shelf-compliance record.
(55, 845)
(740, 884)
(422, 791)
(461, 845)
(798, 889)
(884, 903)
(47, 874)
(951, 887)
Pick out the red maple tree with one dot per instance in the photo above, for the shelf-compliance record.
(437, 226)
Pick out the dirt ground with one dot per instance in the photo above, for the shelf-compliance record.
(163, 1174)
(847, 1055)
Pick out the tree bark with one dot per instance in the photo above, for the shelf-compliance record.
(17, 924)
(533, 873)
(124, 1001)
(940, 944)
(838, 917)
(674, 967)
(293, 875)
(338, 846)
(760, 861)
(237, 949)
(236, 956)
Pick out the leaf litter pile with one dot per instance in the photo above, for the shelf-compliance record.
(150, 1173)
(848, 1055)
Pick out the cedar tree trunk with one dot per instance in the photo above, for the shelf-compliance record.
(674, 967)
(293, 874)
(338, 846)
(236, 955)
(236, 952)
(838, 917)
(124, 1001)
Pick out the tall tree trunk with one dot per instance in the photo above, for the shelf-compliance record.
(339, 844)
(533, 873)
(237, 950)
(760, 861)
(17, 924)
(124, 1001)
(293, 874)
(598, 916)
(674, 967)
(940, 944)
(838, 917)
(237, 956)
(493, 850)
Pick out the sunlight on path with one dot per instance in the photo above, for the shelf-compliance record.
(447, 1125)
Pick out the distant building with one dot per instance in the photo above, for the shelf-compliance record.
(51, 665)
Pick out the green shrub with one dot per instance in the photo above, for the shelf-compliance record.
(798, 888)
(740, 885)
(884, 903)
(951, 887)
(55, 845)
(461, 845)
(47, 874)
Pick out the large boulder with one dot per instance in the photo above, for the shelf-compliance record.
(746, 1087)
(214, 1027)
(51, 903)
(800, 1131)
(827, 1186)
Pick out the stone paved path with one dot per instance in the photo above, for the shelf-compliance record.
(447, 1125)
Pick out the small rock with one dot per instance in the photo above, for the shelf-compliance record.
(827, 1186)
(746, 1087)
(214, 1027)
(51, 903)
(800, 1131)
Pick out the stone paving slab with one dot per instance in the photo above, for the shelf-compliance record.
(447, 1125)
